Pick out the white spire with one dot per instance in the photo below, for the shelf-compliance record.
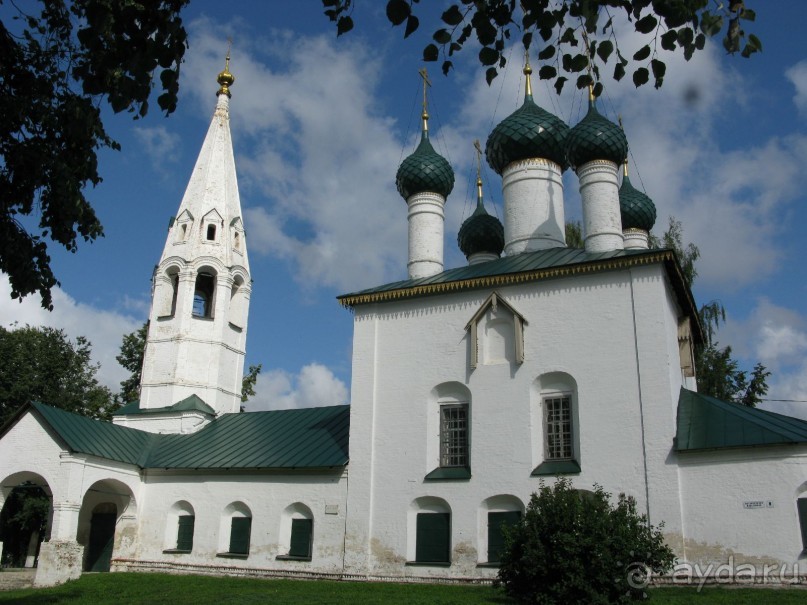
(200, 300)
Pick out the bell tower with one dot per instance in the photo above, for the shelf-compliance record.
(194, 357)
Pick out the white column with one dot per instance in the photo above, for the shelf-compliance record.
(426, 222)
(599, 190)
(533, 206)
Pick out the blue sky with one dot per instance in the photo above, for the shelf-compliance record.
(320, 125)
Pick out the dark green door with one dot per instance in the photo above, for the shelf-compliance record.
(102, 538)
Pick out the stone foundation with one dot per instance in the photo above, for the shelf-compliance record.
(58, 563)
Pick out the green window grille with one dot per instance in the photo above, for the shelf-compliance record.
(496, 524)
(239, 535)
(301, 533)
(558, 424)
(433, 539)
(185, 532)
(802, 508)
(454, 435)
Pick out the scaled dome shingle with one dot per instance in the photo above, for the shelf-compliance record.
(637, 209)
(424, 170)
(596, 138)
(528, 132)
(481, 232)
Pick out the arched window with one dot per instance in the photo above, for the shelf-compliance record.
(296, 533)
(179, 528)
(211, 233)
(496, 513)
(801, 508)
(235, 531)
(429, 532)
(554, 410)
(203, 295)
(449, 430)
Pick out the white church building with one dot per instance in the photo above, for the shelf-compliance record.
(470, 386)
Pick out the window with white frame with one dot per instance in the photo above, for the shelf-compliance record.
(559, 442)
(454, 435)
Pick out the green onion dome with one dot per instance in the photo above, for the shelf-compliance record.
(638, 210)
(424, 170)
(528, 132)
(596, 138)
(481, 232)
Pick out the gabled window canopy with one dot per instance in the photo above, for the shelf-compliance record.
(492, 303)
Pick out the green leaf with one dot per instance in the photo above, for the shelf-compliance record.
(748, 15)
(430, 53)
(659, 69)
(547, 72)
(668, 40)
(398, 11)
(452, 16)
(642, 53)
(559, 84)
(568, 36)
(646, 24)
(604, 50)
(641, 76)
(488, 56)
(579, 63)
(598, 90)
(412, 24)
(447, 65)
(490, 74)
(526, 40)
(584, 81)
(344, 25)
(442, 36)
(547, 53)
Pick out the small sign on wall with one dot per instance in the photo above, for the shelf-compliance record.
(331, 509)
(758, 504)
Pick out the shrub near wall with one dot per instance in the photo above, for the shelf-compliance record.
(576, 547)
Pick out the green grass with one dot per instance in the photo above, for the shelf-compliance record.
(133, 588)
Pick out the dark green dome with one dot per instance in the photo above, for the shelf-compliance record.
(424, 170)
(481, 232)
(638, 211)
(596, 138)
(528, 132)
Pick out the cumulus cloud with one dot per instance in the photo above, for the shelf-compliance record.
(314, 386)
(103, 328)
(158, 144)
(797, 74)
(776, 337)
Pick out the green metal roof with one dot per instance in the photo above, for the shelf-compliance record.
(551, 263)
(281, 439)
(95, 437)
(190, 404)
(708, 423)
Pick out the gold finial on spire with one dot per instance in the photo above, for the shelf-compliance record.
(225, 78)
(625, 163)
(426, 83)
(478, 148)
(527, 73)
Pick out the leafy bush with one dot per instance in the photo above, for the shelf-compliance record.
(576, 547)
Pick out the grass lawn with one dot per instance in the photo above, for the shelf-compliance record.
(133, 588)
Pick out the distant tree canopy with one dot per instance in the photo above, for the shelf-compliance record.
(60, 60)
(717, 372)
(575, 37)
(43, 364)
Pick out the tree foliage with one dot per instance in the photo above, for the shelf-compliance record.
(58, 65)
(718, 373)
(578, 547)
(42, 364)
(24, 513)
(576, 37)
(574, 235)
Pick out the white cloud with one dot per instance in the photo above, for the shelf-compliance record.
(158, 144)
(104, 329)
(797, 74)
(314, 386)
